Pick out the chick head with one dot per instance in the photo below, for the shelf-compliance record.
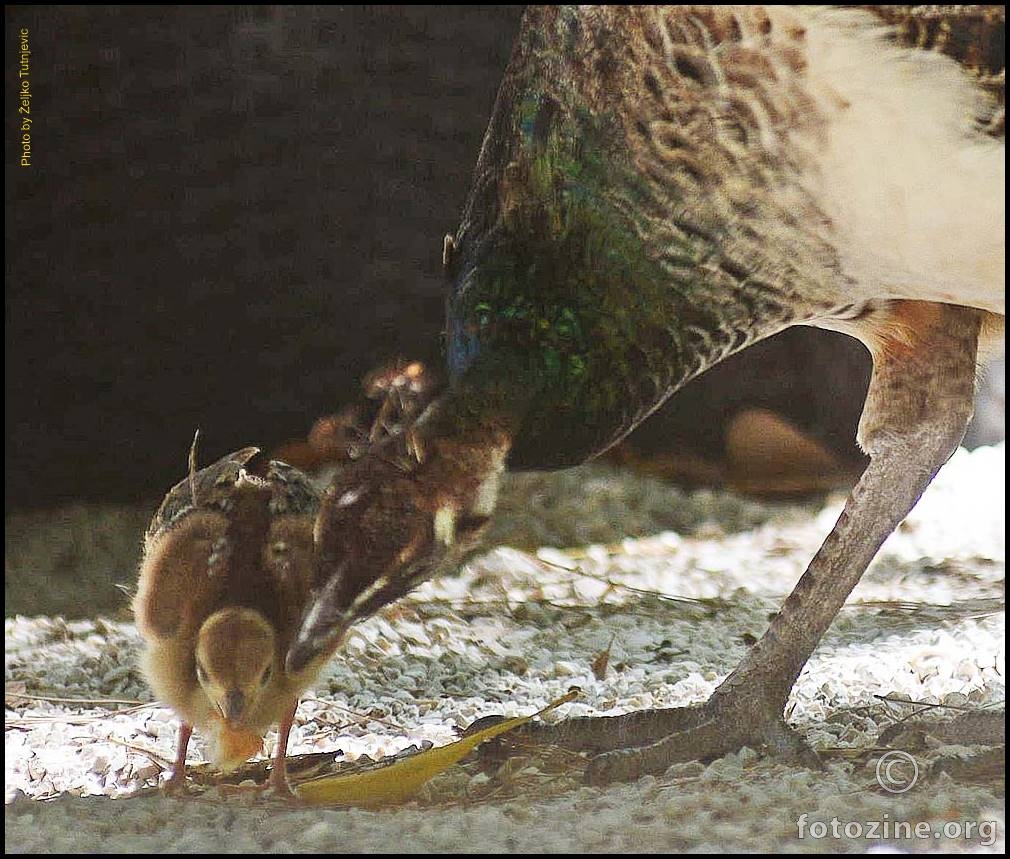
(236, 656)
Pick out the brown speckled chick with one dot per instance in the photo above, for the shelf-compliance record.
(226, 575)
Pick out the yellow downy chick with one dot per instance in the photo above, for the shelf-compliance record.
(226, 575)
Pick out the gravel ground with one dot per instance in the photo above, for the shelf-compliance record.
(518, 628)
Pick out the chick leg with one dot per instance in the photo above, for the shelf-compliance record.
(177, 782)
(279, 772)
(917, 408)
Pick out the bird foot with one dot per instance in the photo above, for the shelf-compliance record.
(718, 734)
(176, 785)
(624, 748)
(274, 788)
(278, 788)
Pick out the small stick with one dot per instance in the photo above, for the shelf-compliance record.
(55, 700)
(162, 763)
(577, 570)
(360, 718)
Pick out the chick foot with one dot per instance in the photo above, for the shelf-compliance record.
(278, 788)
(272, 789)
(176, 785)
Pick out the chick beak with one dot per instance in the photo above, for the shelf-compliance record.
(232, 705)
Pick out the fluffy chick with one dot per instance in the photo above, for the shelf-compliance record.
(226, 575)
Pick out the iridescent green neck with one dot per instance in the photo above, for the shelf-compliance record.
(561, 287)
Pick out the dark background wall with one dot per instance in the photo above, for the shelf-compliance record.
(235, 212)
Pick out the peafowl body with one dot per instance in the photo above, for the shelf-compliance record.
(658, 188)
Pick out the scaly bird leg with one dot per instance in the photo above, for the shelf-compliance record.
(917, 407)
(177, 782)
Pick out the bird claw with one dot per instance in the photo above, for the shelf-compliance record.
(624, 748)
(711, 739)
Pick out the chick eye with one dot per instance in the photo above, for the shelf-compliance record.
(201, 675)
(268, 672)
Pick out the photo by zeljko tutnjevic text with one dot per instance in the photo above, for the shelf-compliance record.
(25, 118)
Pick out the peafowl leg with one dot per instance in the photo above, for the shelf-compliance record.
(917, 407)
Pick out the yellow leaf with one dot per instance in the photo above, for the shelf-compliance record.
(397, 782)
